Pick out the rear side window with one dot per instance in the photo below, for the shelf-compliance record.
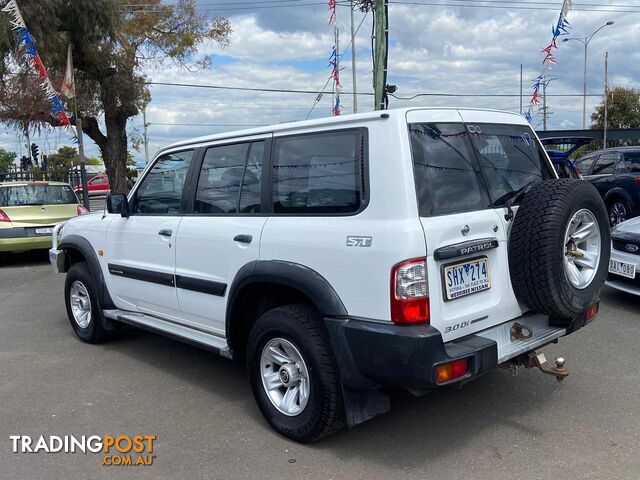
(447, 180)
(606, 164)
(585, 163)
(160, 192)
(319, 173)
(229, 180)
(632, 162)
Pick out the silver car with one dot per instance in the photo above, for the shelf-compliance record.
(624, 266)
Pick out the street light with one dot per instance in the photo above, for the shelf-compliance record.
(585, 41)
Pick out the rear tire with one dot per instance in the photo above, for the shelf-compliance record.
(302, 354)
(559, 248)
(83, 305)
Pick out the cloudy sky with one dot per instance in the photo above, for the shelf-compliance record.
(464, 47)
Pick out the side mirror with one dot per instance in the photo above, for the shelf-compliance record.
(118, 203)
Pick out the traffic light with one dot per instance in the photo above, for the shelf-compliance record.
(24, 164)
(35, 151)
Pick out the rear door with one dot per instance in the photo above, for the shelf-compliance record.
(221, 231)
(465, 171)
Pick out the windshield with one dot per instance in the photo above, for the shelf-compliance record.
(35, 194)
(462, 168)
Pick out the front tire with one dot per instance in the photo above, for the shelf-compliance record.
(293, 374)
(83, 305)
(618, 212)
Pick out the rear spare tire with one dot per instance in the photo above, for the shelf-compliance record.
(559, 248)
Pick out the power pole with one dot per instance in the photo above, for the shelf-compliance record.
(606, 98)
(353, 62)
(544, 105)
(380, 53)
(520, 89)
(146, 138)
(83, 170)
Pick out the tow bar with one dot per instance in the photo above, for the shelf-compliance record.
(539, 360)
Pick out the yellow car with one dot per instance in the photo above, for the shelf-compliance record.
(30, 210)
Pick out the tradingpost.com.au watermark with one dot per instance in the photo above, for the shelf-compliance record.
(118, 450)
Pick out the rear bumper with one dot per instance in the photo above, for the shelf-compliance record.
(372, 355)
(24, 243)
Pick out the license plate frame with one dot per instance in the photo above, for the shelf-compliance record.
(446, 294)
(619, 272)
(43, 231)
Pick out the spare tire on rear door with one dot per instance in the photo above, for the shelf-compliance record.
(559, 247)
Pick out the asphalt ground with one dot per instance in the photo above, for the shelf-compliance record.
(200, 408)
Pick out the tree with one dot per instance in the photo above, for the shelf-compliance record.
(6, 160)
(623, 109)
(112, 41)
(64, 159)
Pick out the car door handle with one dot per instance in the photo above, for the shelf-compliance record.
(243, 238)
(165, 232)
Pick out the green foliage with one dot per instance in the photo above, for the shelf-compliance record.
(6, 160)
(64, 159)
(623, 109)
(112, 41)
(95, 161)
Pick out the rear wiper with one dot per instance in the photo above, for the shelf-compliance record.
(32, 204)
(517, 196)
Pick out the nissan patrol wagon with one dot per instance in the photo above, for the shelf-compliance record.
(344, 257)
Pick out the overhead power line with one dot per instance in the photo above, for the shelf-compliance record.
(315, 92)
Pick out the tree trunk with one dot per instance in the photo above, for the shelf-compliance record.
(114, 153)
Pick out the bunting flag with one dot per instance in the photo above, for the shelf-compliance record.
(27, 43)
(562, 27)
(334, 60)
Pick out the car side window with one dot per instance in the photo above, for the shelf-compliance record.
(318, 173)
(584, 164)
(229, 180)
(632, 162)
(606, 164)
(160, 192)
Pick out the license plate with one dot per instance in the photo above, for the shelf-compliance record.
(623, 269)
(44, 231)
(466, 278)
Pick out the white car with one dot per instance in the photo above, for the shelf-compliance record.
(624, 266)
(343, 256)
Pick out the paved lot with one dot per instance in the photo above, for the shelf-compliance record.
(207, 425)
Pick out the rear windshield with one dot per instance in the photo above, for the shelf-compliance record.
(36, 195)
(463, 167)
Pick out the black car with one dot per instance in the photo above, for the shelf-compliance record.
(615, 172)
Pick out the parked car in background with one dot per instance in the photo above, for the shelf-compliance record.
(624, 265)
(30, 210)
(98, 185)
(560, 150)
(615, 172)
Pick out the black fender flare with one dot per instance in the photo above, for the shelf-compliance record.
(82, 245)
(289, 274)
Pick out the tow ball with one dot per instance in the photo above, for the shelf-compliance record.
(539, 360)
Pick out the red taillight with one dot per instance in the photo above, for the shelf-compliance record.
(450, 371)
(4, 217)
(81, 210)
(592, 311)
(410, 292)
(637, 180)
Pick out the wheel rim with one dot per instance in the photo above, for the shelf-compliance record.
(617, 213)
(582, 249)
(285, 377)
(80, 304)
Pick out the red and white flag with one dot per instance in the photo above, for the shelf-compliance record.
(68, 88)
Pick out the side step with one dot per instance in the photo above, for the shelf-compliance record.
(175, 330)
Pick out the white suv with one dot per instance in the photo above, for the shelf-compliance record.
(344, 256)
